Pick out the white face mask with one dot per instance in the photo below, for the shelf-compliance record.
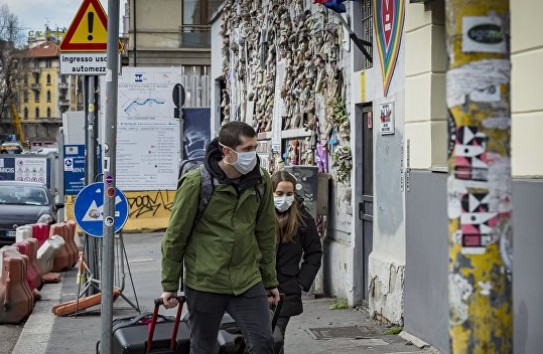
(283, 203)
(245, 163)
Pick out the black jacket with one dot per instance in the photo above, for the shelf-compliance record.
(293, 277)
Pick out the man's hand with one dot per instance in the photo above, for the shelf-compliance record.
(169, 299)
(273, 296)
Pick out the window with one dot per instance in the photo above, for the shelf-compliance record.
(48, 79)
(48, 112)
(25, 96)
(367, 29)
(25, 114)
(36, 96)
(37, 112)
(48, 63)
(197, 12)
(48, 96)
(25, 79)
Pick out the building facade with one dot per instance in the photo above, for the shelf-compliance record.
(173, 33)
(44, 95)
(386, 244)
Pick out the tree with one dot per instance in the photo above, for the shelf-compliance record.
(11, 37)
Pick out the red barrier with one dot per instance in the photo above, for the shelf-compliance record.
(17, 299)
(32, 275)
(40, 232)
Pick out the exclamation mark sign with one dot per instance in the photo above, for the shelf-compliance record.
(90, 18)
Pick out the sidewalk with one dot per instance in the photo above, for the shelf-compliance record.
(46, 333)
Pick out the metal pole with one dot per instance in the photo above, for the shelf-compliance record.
(479, 185)
(60, 179)
(91, 171)
(109, 169)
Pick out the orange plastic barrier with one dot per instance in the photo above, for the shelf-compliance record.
(17, 299)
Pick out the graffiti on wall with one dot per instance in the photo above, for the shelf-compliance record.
(149, 204)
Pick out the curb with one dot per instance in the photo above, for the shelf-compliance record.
(37, 330)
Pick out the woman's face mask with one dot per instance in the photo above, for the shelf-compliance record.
(283, 202)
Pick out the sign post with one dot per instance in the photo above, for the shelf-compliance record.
(109, 169)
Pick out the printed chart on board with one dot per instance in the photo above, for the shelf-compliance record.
(148, 147)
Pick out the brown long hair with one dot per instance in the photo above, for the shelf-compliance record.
(287, 223)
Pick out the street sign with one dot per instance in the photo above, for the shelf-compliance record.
(89, 210)
(92, 63)
(88, 30)
(26, 168)
(74, 168)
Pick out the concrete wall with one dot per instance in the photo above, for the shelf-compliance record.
(426, 294)
(387, 260)
(157, 23)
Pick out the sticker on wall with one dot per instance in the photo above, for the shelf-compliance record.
(389, 17)
(483, 34)
(386, 118)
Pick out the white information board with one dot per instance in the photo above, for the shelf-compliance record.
(148, 146)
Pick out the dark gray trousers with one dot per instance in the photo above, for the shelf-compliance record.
(250, 310)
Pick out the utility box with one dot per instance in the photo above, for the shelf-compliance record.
(306, 185)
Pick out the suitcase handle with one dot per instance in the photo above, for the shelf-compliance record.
(159, 302)
(277, 311)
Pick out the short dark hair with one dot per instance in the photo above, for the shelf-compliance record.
(231, 133)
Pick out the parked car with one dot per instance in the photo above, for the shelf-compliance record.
(24, 203)
(11, 148)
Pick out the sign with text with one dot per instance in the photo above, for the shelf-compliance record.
(83, 63)
(148, 146)
(386, 118)
(25, 169)
(74, 168)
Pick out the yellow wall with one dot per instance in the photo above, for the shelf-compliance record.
(42, 103)
(526, 91)
(425, 67)
(149, 211)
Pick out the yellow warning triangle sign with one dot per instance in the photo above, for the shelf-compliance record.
(88, 31)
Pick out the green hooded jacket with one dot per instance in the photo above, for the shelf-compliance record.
(232, 246)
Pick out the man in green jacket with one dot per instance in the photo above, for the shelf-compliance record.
(229, 251)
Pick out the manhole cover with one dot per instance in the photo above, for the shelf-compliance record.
(340, 332)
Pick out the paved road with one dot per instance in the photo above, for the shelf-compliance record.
(46, 333)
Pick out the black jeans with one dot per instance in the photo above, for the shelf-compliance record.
(250, 310)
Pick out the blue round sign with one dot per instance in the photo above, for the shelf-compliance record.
(89, 209)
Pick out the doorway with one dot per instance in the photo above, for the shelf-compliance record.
(364, 114)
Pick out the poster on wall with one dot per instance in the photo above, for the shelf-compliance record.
(386, 118)
(196, 133)
(148, 146)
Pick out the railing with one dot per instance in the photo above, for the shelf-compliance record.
(64, 102)
(195, 36)
(197, 87)
(35, 87)
(35, 70)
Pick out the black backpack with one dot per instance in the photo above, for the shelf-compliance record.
(207, 185)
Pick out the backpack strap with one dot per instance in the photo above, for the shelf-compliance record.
(206, 190)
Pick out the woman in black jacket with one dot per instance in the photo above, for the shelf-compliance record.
(297, 237)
